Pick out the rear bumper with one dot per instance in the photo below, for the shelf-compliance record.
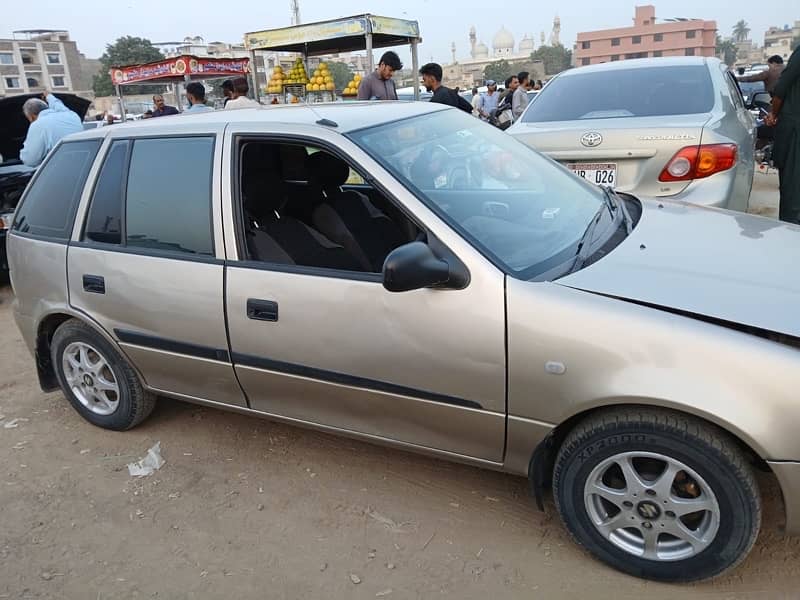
(718, 190)
(788, 474)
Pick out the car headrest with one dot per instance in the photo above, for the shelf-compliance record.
(326, 170)
(263, 188)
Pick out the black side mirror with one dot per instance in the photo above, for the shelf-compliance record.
(761, 100)
(412, 267)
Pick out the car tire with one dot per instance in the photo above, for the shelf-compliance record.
(624, 479)
(97, 380)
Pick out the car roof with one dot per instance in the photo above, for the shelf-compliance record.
(348, 116)
(641, 63)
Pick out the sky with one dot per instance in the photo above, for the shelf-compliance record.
(441, 22)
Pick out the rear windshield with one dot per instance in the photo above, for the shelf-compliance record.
(642, 92)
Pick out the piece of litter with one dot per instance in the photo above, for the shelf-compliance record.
(75, 441)
(430, 539)
(383, 593)
(47, 576)
(390, 566)
(14, 423)
(85, 451)
(490, 499)
(455, 505)
(260, 490)
(187, 453)
(139, 514)
(260, 507)
(203, 573)
(19, 445)
(151, 463)
(372, 554)
(322, 567)
(478, 555)
(175, 495)
(355, 578)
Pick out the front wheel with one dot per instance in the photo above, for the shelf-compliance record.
(657, 494)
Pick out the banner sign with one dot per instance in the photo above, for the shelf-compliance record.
(177, 68)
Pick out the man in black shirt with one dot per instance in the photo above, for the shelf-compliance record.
(432, 80)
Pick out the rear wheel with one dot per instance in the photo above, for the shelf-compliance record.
(97, 380)
(657, 494)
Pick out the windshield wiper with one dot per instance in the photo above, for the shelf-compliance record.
(585, 243)
(614, 202)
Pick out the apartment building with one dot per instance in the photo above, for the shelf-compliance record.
(43, 59)
(778, 40)
(647, 38)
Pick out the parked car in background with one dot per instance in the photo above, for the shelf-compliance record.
(14, 175)
(750, 89)
(662, 127)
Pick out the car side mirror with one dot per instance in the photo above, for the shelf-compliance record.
(414, 266)
(762, 100)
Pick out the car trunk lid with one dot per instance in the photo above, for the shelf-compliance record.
(636, 148)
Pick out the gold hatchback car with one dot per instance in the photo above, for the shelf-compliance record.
(405, 274)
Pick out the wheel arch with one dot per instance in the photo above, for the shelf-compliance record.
(542, 462)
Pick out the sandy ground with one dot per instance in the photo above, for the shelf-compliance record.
(246, 508)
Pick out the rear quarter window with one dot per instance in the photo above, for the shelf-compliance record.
(48, 208)
(636, 92)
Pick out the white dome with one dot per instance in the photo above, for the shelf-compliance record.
(503, 40)
(526, 45)
(481, 51)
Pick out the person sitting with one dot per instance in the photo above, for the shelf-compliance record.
(49, 122)
(196, 96)
(239, 97)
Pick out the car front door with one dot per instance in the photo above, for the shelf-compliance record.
(424, 368)
(147, 262)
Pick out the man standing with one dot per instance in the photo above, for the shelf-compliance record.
(227, 91)
(196, 95)
(239, 97)
(770, 76)
(489, 100)
(163, 109)
(378, 85)
(476, 98)
(785, 117)
(512, 83)
(432, 80)
(520, 99)
(49, 122)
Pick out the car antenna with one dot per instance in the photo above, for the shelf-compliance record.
(322, 120)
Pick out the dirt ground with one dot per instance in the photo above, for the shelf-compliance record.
(245, 508)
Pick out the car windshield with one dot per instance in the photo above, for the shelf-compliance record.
(523, 210)
(619, 93)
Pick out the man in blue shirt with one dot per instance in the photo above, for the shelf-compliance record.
(488, 102)
(49, 122)
(196, 95)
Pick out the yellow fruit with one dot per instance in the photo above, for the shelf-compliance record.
(330, 86)
(323, 65)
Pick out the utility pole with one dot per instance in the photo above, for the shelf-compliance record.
(295, 7)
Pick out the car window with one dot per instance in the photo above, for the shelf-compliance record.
(733, 88)
(48, 208)
(104, 223)
(639, 92)
(168, 203)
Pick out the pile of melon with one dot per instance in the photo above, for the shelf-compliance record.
(321, 80)
(352, 87)
(297, 76)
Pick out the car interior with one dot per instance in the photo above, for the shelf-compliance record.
(304, 206)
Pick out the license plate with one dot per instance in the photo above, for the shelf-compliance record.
(597, 173)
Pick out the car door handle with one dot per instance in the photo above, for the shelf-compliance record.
(262, 310)
(94, 284)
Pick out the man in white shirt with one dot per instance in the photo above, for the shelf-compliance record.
(239, 97)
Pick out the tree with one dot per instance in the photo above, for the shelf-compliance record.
(741, 31)
(341, 73)
(555, 58)
(126, 50)
(499, 70)
(727, 51)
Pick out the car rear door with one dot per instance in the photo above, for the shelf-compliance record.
(147, 262)
(335, 349)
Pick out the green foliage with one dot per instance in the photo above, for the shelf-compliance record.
(499, 71)
(126, 50)
(341, 73)
(555, 58)
(740, 31)
(727, 51)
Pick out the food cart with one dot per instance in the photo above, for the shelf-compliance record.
(348, 34)
(180, 69)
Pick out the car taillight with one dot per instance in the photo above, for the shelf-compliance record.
(696, 162)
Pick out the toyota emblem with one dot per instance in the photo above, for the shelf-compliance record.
(591, 139)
